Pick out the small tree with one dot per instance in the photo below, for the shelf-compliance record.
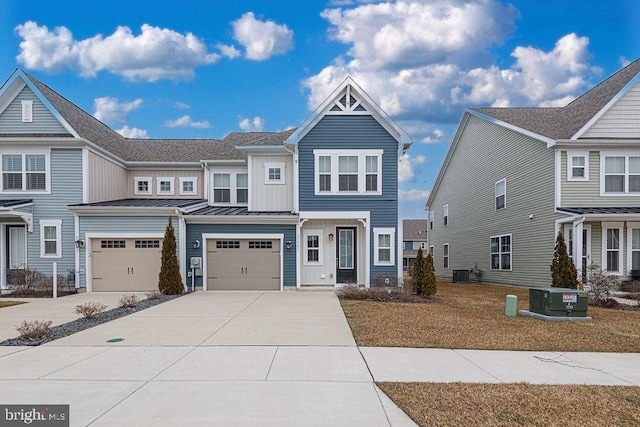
(418, 273)
(169, 280)
(429, 285)
(601, 283)
(563, 272)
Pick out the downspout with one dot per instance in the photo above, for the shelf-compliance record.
(182, 248)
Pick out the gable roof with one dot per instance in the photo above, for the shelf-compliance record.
(363, 104)
(565, 122)
(414, 230)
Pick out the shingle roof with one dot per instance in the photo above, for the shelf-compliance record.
(144, 203)
(153, 149)
(414, 230)
(564, 122)
(12, 203)
(235, 211)
(602, 210)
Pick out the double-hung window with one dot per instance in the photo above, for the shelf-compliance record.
(445, 255)
(501, 194)
(621, 174)
(501, 252)
(222, 188)
(50, 238)
(348, 172)
(242, 188)
(313, 240)
(231, 187)
(24, 172)
(445, 214)
(633, 238)
(612, 244)
(577, 166)
(384, 246)
(430, 220)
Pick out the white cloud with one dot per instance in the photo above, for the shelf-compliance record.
(413, 195)
(228, 51)
(408, 167)
(261, 39)
(424, 62)
(156, 53)
(182, 105)
(251, 125)
(128, 132)
(109, 110)
(186, 122)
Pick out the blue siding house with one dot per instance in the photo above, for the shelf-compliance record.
(316, 205)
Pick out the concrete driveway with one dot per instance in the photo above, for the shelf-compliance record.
(223, 358)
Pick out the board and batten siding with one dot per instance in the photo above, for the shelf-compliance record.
(43, 121)
(195, 232)
(270, 197)
(121, 226)
(66, 189)
(587, 193)
(358, 133)
(107, 180)
(155, 174)
(621, 120)
(487, 153)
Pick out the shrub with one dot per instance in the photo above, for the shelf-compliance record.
(563, 272)
(153, 295)
(429, 284)
(418, 273)
(89, 309)
(24, 279)
(385, 280)
(34, 329)
(128, 301)
(169, 280)
(632, 286)
(601, 283)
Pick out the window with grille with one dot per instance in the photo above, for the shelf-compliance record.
(24, 172)
(143, 244)
(227, 244)
(501, 252)
(113, 244)
(260, 244)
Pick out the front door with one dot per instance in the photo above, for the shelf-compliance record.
(16, 249)
(586, 252)
(346, 261)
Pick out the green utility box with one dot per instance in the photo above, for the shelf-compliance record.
(558, 302)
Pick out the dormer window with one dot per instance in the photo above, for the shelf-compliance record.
(165, 186)
(142, 186)
(274, 173)
(27, 111)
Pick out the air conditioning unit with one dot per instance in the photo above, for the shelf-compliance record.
(558, 302)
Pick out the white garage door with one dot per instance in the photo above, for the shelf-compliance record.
(243, 264)
(125, 264)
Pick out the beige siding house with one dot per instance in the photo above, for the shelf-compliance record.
(514, 177)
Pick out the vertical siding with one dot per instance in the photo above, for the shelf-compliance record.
(587, 193)
(485, 154)
(271, 197)
(107, 181)
(176, 174)
(195, 232)
(43, 120)
(353, 132)
(621, 120)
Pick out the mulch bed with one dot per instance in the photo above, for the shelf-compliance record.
(82, 323)
(383, 294)
(31, 293)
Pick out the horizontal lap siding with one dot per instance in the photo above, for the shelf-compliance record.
(487, 153)
(43, 120)
(195, 232)
(357, 133)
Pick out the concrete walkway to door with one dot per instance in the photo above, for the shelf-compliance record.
(208, 358)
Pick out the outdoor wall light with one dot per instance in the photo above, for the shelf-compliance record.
(79, 243)
(331, 237)
(195, 244)
(289, 244)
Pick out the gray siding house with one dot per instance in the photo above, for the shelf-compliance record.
(514, 177)
(414, 233)
(316, 205)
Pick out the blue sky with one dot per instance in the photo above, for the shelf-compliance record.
(202, 69)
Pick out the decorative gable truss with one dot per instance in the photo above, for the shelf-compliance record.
(348, 103)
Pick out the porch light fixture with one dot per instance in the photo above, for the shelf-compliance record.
(331, 237)
(289, 244)
(195, 244)
(79, 243)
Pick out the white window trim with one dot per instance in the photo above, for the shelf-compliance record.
(570, 156)
(630, 227)
(233, 187)
(626, 155)
(192, 179)
(27, 111)
(23, 153)
(431, 219)
(392, 233)
(499, 237)
(274, 165)
(320, 234)
(161, 179)
(362, 173)
(138, 179)
(51, 223)
(612, 226)
(447, 256)
(496, 195)
(445, 214)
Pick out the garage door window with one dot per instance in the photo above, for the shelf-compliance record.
(142, 244)
(260, 244)
(228, 244)
(113, 244)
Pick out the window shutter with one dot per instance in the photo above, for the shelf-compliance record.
(27, 111)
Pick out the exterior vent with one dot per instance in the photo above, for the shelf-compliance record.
(27, 111)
